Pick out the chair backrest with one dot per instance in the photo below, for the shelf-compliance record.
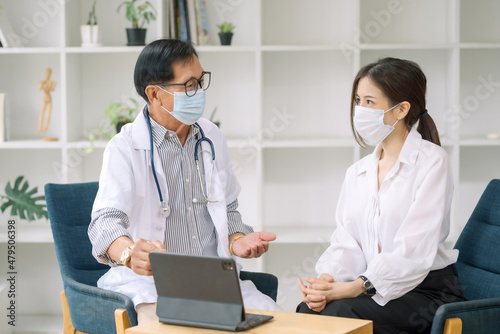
(70, 207)
(478, 263)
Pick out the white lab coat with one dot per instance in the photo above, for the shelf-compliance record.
(127, 184)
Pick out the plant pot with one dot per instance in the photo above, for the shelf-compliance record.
(90, 36)
(136, 36)
(225, 38)
(120, 125)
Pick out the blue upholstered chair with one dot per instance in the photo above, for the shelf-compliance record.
(478, 269)
(87, 308)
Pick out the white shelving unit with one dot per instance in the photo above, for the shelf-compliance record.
(282, 92)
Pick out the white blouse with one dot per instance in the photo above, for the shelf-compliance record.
(408, 218)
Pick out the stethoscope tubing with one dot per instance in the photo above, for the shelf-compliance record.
(164, 208)
(146, 112)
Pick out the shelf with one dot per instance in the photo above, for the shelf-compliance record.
(282, 93)
(31, 144)
(228, 48)
(30, 50)
(85, 143)
(30, 232)
(249, 142)
(313, 142)
(479, 142)
(104, 49)
(395, 46)
(283, 48)
(447, 142)
(480, 45)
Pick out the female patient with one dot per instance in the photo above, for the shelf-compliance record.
(387, 261)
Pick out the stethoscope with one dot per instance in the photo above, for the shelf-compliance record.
(164, 207)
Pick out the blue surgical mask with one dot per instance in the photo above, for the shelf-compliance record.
(369, 123)
(187, 109)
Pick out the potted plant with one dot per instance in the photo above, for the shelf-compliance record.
(139, 15)
(23, 202)
(225, 33)
(90, 31)
(116, 115)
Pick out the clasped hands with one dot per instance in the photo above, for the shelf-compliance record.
(325, 289)
(251, 245)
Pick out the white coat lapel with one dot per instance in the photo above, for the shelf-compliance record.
(141, 137)
(217, 209)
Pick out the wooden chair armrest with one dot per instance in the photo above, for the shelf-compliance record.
(121, 320)
(68, 324)
(453, 326)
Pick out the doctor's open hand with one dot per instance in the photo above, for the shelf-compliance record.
(251, 245)
(139, 255)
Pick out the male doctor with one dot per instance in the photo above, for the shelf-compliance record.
(167, 204)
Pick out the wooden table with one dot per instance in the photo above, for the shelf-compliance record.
(283, 322)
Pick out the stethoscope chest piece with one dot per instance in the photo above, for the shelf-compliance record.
(164, 209)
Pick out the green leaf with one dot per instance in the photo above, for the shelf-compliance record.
(22, 202)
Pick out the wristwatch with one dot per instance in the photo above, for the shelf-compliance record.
(126, 255)
(367, 285)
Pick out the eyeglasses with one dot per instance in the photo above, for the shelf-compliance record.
(192, 85)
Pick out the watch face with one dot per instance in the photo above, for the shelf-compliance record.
(367, 285)
(125, 254)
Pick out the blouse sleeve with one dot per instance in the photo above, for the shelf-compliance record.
(343, 259)
(418, 238)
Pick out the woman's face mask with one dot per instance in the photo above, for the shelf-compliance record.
(369, 123)
(187, 109)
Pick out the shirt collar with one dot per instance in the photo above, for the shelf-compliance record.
(411, 148)
(408, 155)
(160, 132)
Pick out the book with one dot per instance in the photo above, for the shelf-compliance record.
(186, 17)
(184, 34)
(172, 18)
(177, 20)
(8, 37)
(191, 9)
(166, 13)
(3, 40)
(202, 23)
(3, 119)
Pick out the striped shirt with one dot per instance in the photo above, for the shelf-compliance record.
(189, 227)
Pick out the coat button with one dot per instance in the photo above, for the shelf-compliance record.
(158, 227)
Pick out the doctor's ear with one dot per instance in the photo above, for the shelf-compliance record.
(403, 109)
(152, 93)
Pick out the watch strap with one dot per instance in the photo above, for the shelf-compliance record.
(370, 289)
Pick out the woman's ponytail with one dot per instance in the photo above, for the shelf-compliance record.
(427, 128)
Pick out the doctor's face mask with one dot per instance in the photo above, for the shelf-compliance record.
(187, 109)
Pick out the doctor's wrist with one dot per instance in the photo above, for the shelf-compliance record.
(233, 238)
(115, 250)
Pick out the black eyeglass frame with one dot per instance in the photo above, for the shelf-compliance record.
(198, 83)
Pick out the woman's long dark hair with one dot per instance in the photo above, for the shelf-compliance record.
(400, 80)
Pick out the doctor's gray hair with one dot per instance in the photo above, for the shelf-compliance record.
(154, 65)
